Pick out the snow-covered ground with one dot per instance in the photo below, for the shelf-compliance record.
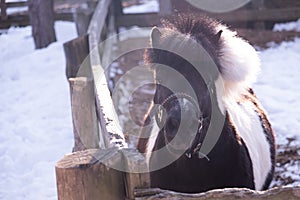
(278, 88)
(291, 26)
(35, 114)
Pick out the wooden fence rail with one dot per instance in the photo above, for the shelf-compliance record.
(278, 15)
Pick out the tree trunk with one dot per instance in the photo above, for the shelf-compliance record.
(41, 13)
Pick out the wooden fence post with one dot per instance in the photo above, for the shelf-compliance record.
(86, 130)
(3, 10)
(82, 19)
(76, 51)
(78, 71)
(258, 5)
(85, 175)
(135, 163)
(41, 15)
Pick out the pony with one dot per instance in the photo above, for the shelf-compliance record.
(206, 129)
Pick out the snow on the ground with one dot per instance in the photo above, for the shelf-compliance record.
(146, 6)
(35, 114)
(290, 26)
(278, 88)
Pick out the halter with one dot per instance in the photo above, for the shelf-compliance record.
(197, 142)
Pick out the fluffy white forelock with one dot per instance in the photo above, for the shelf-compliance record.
(239, 62)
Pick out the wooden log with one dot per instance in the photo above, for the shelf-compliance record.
(290, 193)
(76, 51)
(90, 175)
(3, 10)
(85, 124)
(136, 172)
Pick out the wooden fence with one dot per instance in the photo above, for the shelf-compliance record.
(101, 165)
(22, 18)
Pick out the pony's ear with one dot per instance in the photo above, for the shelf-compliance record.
(155, 36)
(218, 35)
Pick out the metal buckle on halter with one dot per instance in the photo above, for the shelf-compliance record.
(196, 150)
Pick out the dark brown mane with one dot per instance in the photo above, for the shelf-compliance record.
(203, 31)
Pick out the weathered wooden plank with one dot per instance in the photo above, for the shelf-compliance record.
(76, 51)
(142, 20)
(260, 15)
(110, 128)
(85, 122)
(290, 193)
(97, 22)
(22, 19)
(82, 19)
(136, 172)
(90, 175)
(282, 3)
(107, 45)
(16, 4)
(262, 37)
(278, 15)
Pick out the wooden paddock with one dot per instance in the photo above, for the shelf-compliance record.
(101, 165)
(22, 18)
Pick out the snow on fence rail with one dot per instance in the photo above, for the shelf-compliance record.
(101, 166)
